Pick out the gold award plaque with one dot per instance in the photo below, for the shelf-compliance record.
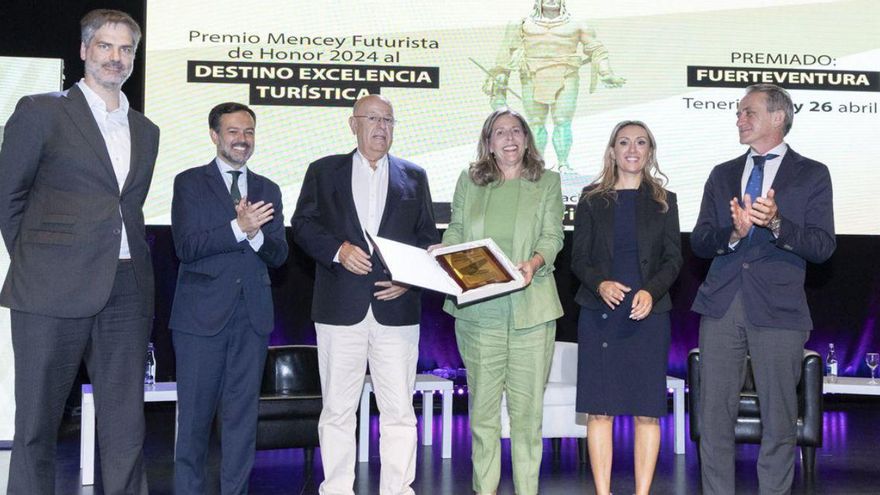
(474, 267)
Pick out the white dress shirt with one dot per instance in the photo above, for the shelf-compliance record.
(257, 242)
(771, 167)
(117, 137)
(369, 189)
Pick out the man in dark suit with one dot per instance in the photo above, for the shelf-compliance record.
(360, 315)
(228, 228)
(75, 168)
(753, 301)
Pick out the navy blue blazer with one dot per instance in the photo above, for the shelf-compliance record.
(215, 269)
(326, 216)
(769, 272)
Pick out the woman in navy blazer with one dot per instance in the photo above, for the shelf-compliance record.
(626, 254)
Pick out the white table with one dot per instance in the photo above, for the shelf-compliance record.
(427, 384)
(850, 385)
(160, 392)
(677, 386)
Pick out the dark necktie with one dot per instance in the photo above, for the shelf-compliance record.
(234, 191)
(756, 180)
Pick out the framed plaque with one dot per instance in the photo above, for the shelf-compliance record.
(470, 271)
(474, 267)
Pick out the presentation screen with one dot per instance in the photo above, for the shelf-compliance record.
(573, 68)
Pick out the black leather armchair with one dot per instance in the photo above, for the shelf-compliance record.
(290, 401)
(748, 421)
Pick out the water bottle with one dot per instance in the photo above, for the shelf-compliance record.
(831, 364)
(150, 366)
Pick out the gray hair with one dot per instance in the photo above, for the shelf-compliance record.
(777, 99)
(98, 18)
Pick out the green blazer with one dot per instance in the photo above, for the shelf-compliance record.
(538, 230)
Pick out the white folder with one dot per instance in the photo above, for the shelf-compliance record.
(415, 266)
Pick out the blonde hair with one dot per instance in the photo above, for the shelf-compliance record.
(652, 177)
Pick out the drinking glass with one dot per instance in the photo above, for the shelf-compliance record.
(872, 359)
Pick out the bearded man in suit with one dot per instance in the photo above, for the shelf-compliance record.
(228, 230)
(76, 167)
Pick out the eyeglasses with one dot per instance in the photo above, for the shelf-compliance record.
(375, 119)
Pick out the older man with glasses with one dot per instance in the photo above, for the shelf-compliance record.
(360, 315)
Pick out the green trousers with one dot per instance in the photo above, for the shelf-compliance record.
(516, 361)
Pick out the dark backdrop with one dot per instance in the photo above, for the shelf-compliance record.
(844, 293)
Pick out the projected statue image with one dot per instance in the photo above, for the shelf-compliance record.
(548, 48)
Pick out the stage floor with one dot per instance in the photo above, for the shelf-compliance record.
(846, 465)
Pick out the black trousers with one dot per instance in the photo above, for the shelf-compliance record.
(48, 352)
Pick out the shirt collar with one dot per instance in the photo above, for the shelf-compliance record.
(779, 150)
(225, 167)
(381, 163)
(97, 103)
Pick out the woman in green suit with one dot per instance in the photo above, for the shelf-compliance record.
(506, 342)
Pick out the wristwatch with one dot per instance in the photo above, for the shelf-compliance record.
(774, 226)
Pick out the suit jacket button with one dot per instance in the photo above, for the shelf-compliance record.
(745, 266)
(720, 251)
(117, 231)
(604, 344)
(604, 316)
(238, 280)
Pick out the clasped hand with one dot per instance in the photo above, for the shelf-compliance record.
(760, 213)
(252, 216)
(613, 293)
